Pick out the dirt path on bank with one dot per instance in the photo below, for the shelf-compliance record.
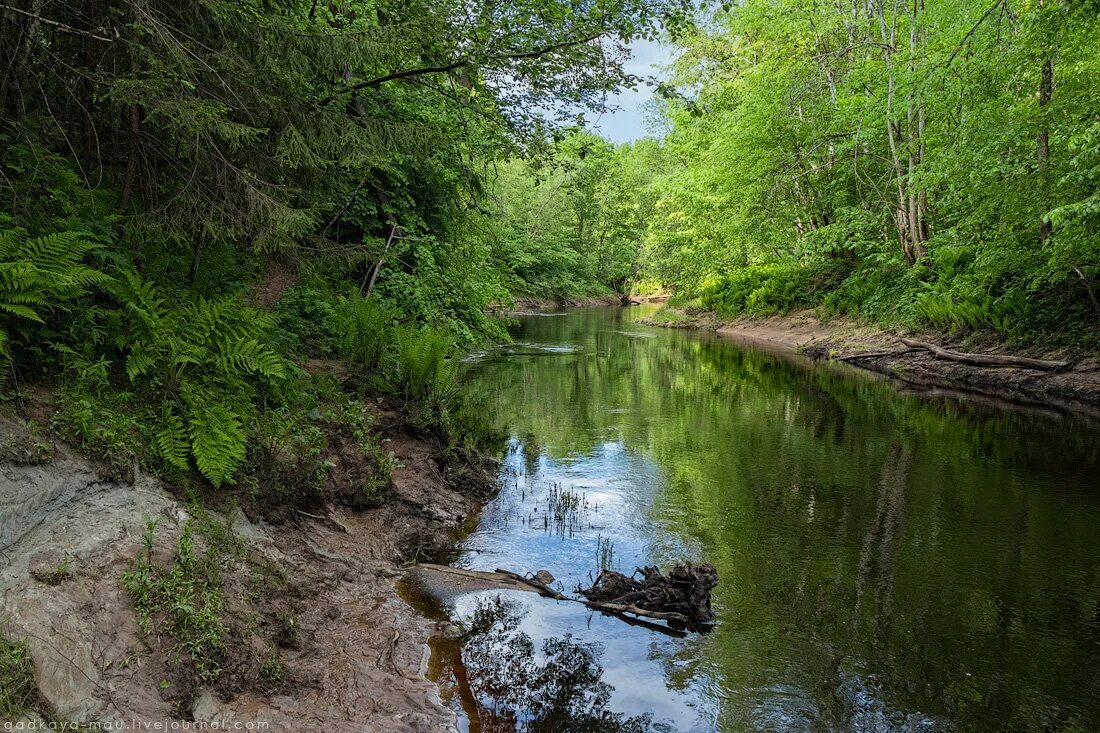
(353, 659)
(1076, 389)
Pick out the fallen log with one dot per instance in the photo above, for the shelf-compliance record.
(682, 590)
(539, 587)
(645, 623)
(620, 609)
(986, 360)
(473, 580)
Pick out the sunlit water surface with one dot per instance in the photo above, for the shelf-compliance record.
(888, 561)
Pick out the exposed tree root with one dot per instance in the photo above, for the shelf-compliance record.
(987, 360)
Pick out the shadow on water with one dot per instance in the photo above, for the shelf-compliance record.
(889, 561)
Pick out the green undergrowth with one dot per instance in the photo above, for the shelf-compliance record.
(671, 316)
(182, 598)
(25, 450)
(318, 448)
(952, 292)
(221, 612)
(163, 360)
(185, 384)
(18, 689)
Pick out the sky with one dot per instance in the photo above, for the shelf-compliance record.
(628, 123)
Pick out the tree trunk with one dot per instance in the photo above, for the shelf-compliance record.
(22, 44)
(378, 265)
(87, 98)
(901, 212)
(196, 255)
(132, 154)
(1046, 92)
(914, 126)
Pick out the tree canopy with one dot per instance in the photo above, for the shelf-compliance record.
(924, 164)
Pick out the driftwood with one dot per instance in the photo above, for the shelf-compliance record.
(877, 354)
(986, 360)
(540, 587)
(472, 580)
(682, 596)
(620, 609)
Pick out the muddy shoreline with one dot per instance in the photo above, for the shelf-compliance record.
(1075, 390)
(314, 598)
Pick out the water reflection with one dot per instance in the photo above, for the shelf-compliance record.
(888, 562)
(505, 684)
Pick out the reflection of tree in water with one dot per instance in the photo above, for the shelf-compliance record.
(504, 687)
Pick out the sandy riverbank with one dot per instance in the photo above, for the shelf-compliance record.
(1076, 388)
(317, 636)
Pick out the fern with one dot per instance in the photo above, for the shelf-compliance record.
(204, 358)
(426, 372)
(249, 356)
(172, 440)
(38, 276)
(365, 330)
(217, 441)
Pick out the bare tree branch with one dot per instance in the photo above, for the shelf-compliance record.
(60, 26)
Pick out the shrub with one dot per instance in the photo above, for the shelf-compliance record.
(307, 321)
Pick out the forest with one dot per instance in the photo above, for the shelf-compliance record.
(169, 170)
(926, 165)
(249, 247)
(198, 196)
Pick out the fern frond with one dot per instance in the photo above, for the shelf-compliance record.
(217, 442)
(171, 439)
(23, 311)
(250, 357)
(139, 298)
(56, 252)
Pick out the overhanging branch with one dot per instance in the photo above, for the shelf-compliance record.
(458, 64)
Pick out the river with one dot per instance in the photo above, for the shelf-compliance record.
(889, 561)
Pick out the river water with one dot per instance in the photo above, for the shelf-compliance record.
(889, 561)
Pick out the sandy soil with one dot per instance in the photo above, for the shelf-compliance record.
(357, 658)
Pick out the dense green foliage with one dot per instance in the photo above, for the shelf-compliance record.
(198, 197)
(921, 165)
(209, 195)
(928, 165)
(572, 223)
